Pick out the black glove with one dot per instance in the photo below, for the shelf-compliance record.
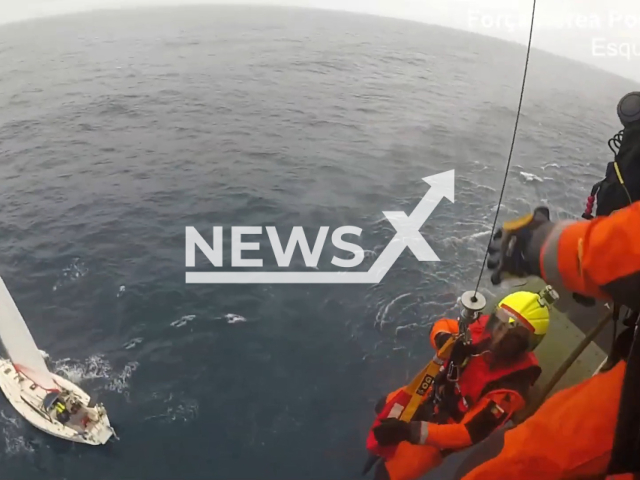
(392, 431)
(584, 301)
(515, 248)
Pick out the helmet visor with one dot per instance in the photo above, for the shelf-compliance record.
(508, 318)
(511, 333)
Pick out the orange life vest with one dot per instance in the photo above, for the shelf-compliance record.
(479, 377)
(476, 380)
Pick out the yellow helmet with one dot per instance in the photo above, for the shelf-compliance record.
(530, 310)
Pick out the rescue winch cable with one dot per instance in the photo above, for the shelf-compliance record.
(513, 141)
(458, 346)
(431, 370)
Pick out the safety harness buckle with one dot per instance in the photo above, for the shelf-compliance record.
(453, 373)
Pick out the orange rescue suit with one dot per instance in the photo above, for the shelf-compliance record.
(571, 436)
(482, 403)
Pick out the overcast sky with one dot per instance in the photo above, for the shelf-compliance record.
(605, 33)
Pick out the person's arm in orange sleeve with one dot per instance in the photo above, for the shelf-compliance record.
(491, 412)
(441, 331)
(598, 258)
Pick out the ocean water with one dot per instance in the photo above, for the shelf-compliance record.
(119, 129)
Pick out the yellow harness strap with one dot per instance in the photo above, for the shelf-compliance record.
(621, 180)
(421, 383)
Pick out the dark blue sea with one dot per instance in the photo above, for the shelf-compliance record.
(118, 129)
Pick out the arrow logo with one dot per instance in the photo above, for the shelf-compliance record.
(407, 236)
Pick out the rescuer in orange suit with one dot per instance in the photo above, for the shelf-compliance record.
(497, 370)
(590, 430)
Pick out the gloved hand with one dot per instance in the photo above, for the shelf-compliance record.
(584, 301)
(392, 431)
(514, 251)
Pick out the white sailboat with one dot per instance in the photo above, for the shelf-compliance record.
(47, 401)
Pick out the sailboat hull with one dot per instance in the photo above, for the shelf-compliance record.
(89, 425)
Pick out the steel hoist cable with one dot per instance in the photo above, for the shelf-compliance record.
(513, 142)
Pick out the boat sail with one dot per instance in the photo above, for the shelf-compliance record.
(19, 343)
(48, 401)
